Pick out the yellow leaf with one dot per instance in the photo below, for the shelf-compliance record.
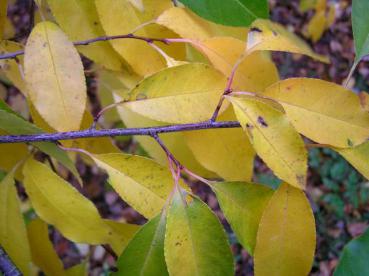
(43, 253)
(311, 105)
(265, 35)
(13, 234)
(274, 139)
(189, 25)
(138, 4)
(183, 94)
(175, 142)
(119, 17)
(3, 16)
(331, 16)
(317, 25)
(10, 67)
(79, 20)
(358, 157)
(141, 182)
(195, 241)
(227, 152)
(55, 77)
(77, 270)
(320, 5)
(255, 73)
(61, 205)
(285, 242)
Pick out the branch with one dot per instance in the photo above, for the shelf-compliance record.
(96, 39)
(89, 133)
(6, 265)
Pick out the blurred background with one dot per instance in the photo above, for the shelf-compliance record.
(339, 195)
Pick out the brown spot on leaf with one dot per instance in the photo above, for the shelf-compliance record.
(262, 122)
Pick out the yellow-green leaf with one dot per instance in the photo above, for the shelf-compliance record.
(141, 182)
(243, 204)
(265, 35)
(55, 77)
(82, 13)
(254, 74)
(43, 253)
(227, 152)
(195, 241)
(274, 139)
(3, 14)
(183, 94)
(144, 255)
(58, 203)
(285, 242)
(358, 157)
(119, 17)
(317, 25)
(311, 106)
(13, 233)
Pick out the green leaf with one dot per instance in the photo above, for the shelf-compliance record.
(231, 12)
(354, 258)
(243, 204)
(195, 242)
(360, 28)
(16, 125)
(144, 255)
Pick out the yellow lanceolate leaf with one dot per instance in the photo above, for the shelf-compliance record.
(274, 139)
(183, 94)
(175, 142)
(119, 17)
(317, 26)
(141, 182)
(285, 242)
(61, 205)
(195, 241)
(255, 73)
(10, 67)
(311, 106)
(358, 157)
(189, 25)
(265, 35)
(55, 77)
(227, 152)
(43, 253)
(13, 234)
(79, 20)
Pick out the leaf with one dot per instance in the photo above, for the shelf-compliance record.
(317, 25)
(243, 204)
(13, 234)
(83, 14)
(358, 157)
(265, 35)
(232, 12)
(188, 25)
(61, 205)
(77, 270)
(354, 258)
(119, 17)
(306, 5)
(144, 255)
(10, 67)
(311, 106)
(16, 125)
(3, 14)
(274, 139)
(195, 242)
(56, 85)
(175, 142)
(183, 94)
(141, 182)
(43, 253)
(360, 28)
(255, 73)
(227, 152)
(286, 237)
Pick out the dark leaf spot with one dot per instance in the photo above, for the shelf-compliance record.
(262, 122)
(254, 29)
(350, 143)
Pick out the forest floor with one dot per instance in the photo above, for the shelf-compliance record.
(339, 195)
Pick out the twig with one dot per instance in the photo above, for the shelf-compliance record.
(6, 265)
(96, 39)
(89, 133)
